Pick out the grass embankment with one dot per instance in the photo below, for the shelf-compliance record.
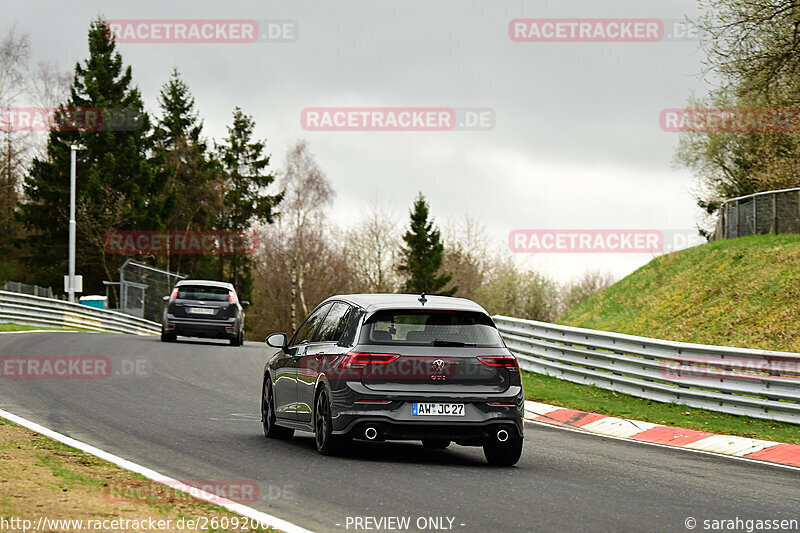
(44, 478)
(741, 292)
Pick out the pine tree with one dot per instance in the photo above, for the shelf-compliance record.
(116, 186)
(192, 196)
(422, 255)
(246, 174)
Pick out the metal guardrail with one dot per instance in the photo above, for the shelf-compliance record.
(37, 311)
(756, 383)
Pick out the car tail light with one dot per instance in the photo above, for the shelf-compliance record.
(503, 404)
(231, 299)
(362, 360)
(507, 361)
(174, 293)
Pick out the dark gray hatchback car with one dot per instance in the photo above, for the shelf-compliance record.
(205, 309)
(396, 367)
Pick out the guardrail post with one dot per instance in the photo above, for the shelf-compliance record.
(774, 213)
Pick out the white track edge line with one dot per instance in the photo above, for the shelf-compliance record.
(238, 508)
(715, 454)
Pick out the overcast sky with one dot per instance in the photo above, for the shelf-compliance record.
(576, 141)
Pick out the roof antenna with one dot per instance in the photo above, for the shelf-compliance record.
(422, 299)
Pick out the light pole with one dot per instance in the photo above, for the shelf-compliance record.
(73, 150)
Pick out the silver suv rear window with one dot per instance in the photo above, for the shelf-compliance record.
(203, 292)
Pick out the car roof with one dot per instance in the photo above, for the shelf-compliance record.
(205, 282)
(377, 302)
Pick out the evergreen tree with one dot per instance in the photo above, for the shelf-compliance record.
(422, 255)
(116, 185)
(192, 195)
(246, 175)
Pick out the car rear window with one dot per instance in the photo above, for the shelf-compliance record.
(203, 292)
(432, 328)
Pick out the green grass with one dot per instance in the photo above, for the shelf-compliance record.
(9, 326)
(740, 292)
(592, 399)
(77, 471)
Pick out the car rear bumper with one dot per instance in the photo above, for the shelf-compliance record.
(466, 433)
(192, 327)
(481, 419)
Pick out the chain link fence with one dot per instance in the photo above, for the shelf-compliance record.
(760, 213)
(142, 289)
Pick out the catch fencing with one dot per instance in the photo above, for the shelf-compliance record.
(757, 383)
(759, 214)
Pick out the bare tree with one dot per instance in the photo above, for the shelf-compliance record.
(14, 55)
(511, 291)
(49, 85)
(15, 51)
(46, 87)
(467, 255)
(372, 248)
(581, 288)
(326, 272)
(307, 193)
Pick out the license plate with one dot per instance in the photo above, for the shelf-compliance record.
(437, 409)
(202, 310)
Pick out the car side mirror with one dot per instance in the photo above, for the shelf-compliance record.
(245, 303)
(165, 298)
(277, 340)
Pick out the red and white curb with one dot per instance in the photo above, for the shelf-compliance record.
(610, 426)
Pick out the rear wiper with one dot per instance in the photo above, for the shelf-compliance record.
(440, 342)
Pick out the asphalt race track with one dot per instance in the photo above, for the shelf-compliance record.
(191, 411)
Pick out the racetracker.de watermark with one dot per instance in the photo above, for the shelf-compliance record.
(55, 366)
(599, 241)
(69, 119)
(601, 30)
(170, 492)
(180, 242)
(386, 367)
(707, 120)
(198, 31)
(396, 119)
(757, 368)
(69, 367)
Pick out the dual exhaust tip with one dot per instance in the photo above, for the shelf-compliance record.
(371, 433)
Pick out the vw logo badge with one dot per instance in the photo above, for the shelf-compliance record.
(438, 366)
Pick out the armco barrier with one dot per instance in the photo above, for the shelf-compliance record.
(757, 383)
(36, 311)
